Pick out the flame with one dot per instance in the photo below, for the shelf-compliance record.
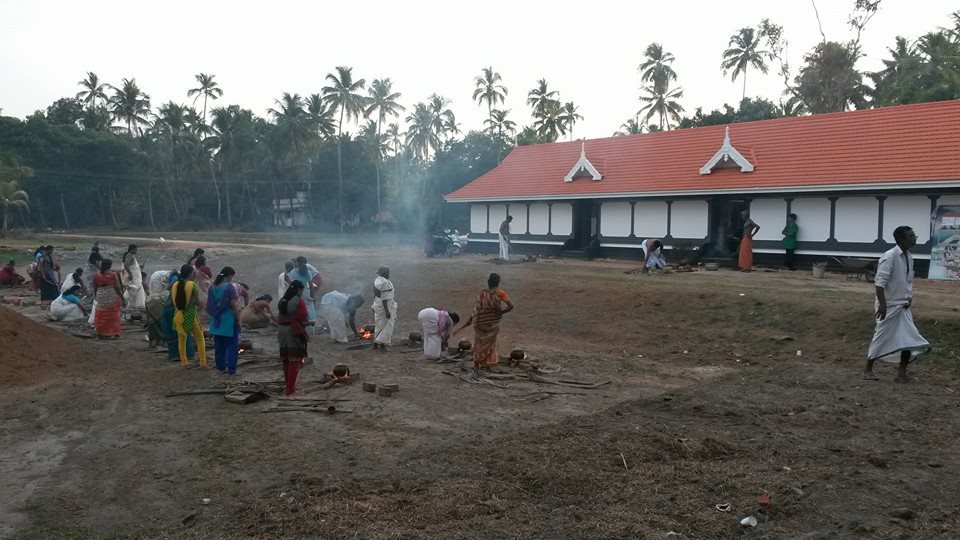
(364, 333)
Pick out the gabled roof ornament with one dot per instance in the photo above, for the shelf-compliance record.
(725, 153)
(583, 166)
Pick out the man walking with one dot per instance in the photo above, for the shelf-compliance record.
(896, 335)
(505, 239)
(790, 241)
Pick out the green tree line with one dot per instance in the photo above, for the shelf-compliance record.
(109, 157)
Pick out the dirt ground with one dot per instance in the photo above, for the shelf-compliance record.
(723, 387)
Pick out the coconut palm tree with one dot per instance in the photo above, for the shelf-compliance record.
(569, 115)
(489, 89)
(661, 102)
(549, 123)
(208, 89)
(394, 138)
(630, 127)
(321, 116)
(343, 93)
(422, 136)
(295, 129)
(235, 141)
(744, 53)
(93, 90)
(444, 122)
(381, 103)
(541, 98)
(656, 68)
(130, 105)
(11, 197)
(499, 124)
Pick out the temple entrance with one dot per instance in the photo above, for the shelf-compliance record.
(586, 223)
(726, 226)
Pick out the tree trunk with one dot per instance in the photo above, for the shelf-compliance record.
(744, 87)
(216, 188)
(340, 169)
(6, 215)
(103, 211)
(226, 192)
(63, 208)
(153, 224)
(377, 168)
(113, 214)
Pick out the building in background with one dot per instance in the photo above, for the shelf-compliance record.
(291, 212)
(850, 177)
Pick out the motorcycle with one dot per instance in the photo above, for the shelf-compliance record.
(449, 242)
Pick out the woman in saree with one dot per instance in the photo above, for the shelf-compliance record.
(223, 306)
(486, 322)
(292, 321)
(133, 279)
(49, 272)
(750, 228)
(109, 297)
(185, 317)
(203, 276)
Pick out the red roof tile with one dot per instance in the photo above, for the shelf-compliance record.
(910, 143)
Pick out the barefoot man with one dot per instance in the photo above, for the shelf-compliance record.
(896, 335)
(505, 239)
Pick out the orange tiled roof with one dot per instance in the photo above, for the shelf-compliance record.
(910, 143)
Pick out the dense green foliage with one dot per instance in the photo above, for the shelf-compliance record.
(109, 157)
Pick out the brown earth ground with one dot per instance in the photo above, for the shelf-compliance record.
(724, 386)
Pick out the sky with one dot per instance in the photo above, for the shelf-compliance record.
(587, 51)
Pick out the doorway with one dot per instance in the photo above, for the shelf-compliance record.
(726, 225)
(586, 222)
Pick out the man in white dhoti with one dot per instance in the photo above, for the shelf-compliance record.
(505, 239)
(339, 309)
(653, 254)
(384, 309)
(437, 325)
(133, 280)
(158, 281)
(896, 336)
(282, 280)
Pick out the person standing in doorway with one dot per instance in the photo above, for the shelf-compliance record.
(505, 239)
(750, 228)
(896, 336)
(790, 242)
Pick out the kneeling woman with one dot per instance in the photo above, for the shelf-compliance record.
(223, 306)
(109, 296)
(292, 320)
(67, 306)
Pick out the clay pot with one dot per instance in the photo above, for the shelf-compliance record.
(517, 354)
(465, 345)
(246, 344)
(341, 370)
(415, 337)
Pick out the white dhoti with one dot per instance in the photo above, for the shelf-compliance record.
(336, 320)
(896, 333)
(430, 323)
(93, 312)
(63, 310)
(654, 260)
(383, 331)
(504, 249)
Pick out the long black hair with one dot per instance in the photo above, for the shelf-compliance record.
(180, 297)
(76, 275)
(105, 264)
(293, 290)
(130, 248)
(224, 274)
(196, 253)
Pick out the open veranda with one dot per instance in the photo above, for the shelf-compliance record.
(644, 406)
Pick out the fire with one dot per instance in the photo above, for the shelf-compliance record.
(364, 333)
